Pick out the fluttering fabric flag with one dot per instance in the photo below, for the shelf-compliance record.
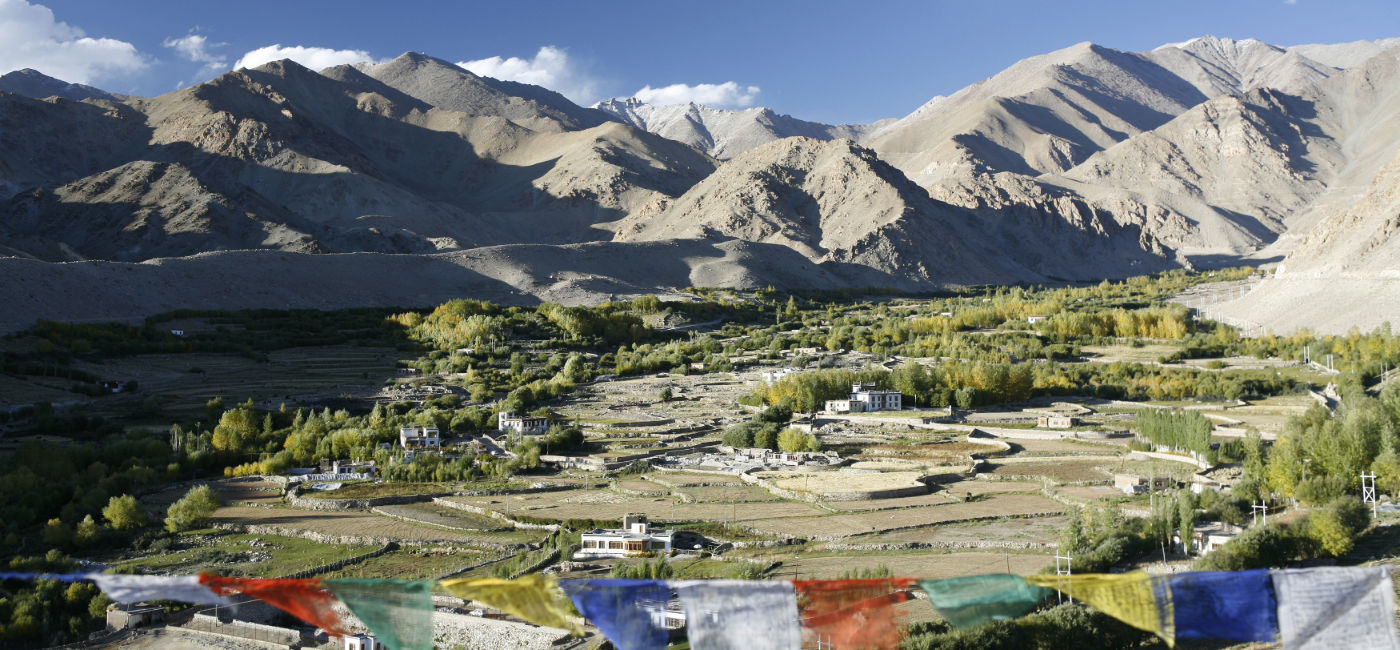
(398, 612)
(1224, 605)
(306, 599)
(62, 577)
(629, 612)
(851, 614)
(531, 597)
(974, 600)
(740, 614)
(140, 589)
(1336, 607)
(1129, 597)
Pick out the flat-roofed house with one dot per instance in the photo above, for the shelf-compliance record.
(865, 398)
(509, 421)
(636, 537)
(419, 438)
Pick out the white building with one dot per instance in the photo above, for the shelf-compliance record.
(636, 537)
(773, 376)
(362, 642)
(1207, 537)
(1056, 421)
(865, 398)
(1034, 319)
(419, 438)
(508, 421)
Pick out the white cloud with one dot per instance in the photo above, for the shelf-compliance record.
(31, 38)
(725, 95)
(195, 47)
(316, 58)
(550, 68)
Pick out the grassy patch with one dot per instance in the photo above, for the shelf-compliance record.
(241, 554)
(415, 564)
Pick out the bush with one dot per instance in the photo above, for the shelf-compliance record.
(192, 509)
(124, 513)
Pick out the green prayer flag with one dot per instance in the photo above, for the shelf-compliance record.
(965, 602)
(398, 612)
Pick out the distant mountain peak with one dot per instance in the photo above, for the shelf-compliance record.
(37, 85)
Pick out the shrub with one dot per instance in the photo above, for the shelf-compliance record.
(192, 509)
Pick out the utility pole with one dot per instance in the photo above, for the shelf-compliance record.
(1368, 492)
(1259, 508)
(1062, 570)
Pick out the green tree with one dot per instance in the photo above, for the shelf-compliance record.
(192, 509)
(124, 513)
(87, 533)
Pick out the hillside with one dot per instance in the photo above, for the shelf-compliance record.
(725, 134)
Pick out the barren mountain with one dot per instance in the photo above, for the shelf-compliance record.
(727, 133)
(837, 202)
(283, 157)
(37, 85)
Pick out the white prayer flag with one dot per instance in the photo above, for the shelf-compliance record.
(740, 614)
(138, 589)
(1336, 607)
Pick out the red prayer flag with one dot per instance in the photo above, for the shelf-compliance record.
(851, 614)
(305, 599)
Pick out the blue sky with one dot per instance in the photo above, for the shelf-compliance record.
(826, 61)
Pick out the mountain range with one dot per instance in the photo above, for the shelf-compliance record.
(414, 180)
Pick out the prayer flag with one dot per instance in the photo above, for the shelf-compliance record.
(1228, 605)
(305, 599)
(974, 600)
(740, 614)
(1129, 597)
(398, 612)
(631, 613)
(1336, 607)
(531, 597)
(139, 589)
(842, 614)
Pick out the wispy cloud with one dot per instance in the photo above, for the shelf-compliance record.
(316, 58)
(30, 37)
(196, 48)
(726, 95)
(550, 67)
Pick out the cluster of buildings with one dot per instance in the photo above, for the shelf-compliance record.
(865, 398)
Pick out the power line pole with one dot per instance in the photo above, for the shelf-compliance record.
(1368, 492)
(1257, 509)
(1064, 569)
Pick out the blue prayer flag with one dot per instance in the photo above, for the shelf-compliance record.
(1228, 605)
(629, 612)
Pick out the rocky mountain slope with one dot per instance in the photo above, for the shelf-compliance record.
(727, 133)
(1076, 165)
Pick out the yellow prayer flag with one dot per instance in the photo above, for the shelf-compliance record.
(533, 598)
(1128, 597)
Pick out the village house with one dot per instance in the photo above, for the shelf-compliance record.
(1056, 421)
(865, 398)
(636, 537)
(507, 421)
(362, 642)
(1207, 537)
(419, 438)
(1034, 319)
(775, 375)
(1134, 484)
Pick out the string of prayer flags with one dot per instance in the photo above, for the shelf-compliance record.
(306, 599)
(25, 575)
(531, 597)
(630, 613)
(851, 614)
(740, 614)
(398, 612)
(1129, 597)
(1336, 607)
(1224, 605)
(138, 589)
(974, 600)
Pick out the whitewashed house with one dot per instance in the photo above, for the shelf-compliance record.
(419, 438)
(865, 398)
(507, 421)
(636, 537)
